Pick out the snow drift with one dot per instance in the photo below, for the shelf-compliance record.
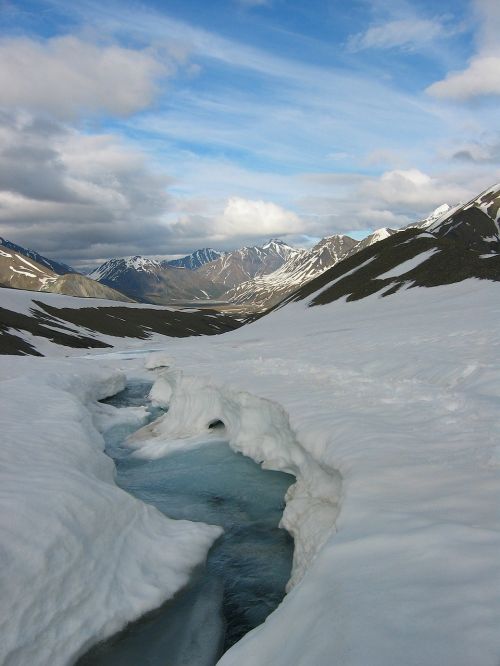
(79, 557)
(261, 430)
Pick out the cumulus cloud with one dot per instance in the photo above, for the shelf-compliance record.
(482, 77)
(240, 222)
(244, 217)
(412, 189)
(78, 197)
(83, 198)
(66, 76)
(407, 33)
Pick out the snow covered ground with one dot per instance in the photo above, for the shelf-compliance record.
(386, 409)
(79, 557)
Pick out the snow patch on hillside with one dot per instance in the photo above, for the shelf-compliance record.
(408, 265)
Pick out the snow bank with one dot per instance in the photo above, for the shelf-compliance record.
(400, 395)
(79, 557)
(261, 430)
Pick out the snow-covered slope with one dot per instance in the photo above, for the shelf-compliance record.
(399, 396)
(43, 323)
(263, 291)
(375, 237)
(237, 266)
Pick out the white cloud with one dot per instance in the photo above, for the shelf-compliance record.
(244, 217)
(482, 77)
(408, 33)
(66, 76)
(412, 189)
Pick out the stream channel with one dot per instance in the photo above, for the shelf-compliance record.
(244, 577)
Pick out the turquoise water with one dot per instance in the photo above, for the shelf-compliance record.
(246, 570)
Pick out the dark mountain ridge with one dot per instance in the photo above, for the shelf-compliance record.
(461, 244)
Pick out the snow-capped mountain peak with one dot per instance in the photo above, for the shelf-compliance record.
(196, 259)
(142, 263)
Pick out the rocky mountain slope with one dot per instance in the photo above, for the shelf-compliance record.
(18, 272)
(196, 259)
(55, 266)
(153, 281)
(263, 291)
(237, 266)
(194, 277)
(463, 242)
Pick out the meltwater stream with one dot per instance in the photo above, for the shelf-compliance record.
(247, 568)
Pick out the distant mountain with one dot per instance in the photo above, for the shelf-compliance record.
(436, 214)
(233, 268)
(164, 282)
(196, 259)
(155, 281)
(375, 237)
(459, 243)
(55, 266)
(303, 265)
(18, 272)
(264, 291)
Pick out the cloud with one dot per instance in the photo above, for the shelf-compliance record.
(412, 190)
(482, 77)
(242, 221)
(76, 196)
(244, 217)
(481, 151)
(66, 76)
(407, 33)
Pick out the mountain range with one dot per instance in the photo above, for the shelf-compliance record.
(259, 277)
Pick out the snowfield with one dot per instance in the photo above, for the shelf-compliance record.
(386, 409)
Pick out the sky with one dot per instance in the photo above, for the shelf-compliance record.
(164, 126)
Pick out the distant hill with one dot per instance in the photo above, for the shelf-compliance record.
(19, 272)
(55, 266)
